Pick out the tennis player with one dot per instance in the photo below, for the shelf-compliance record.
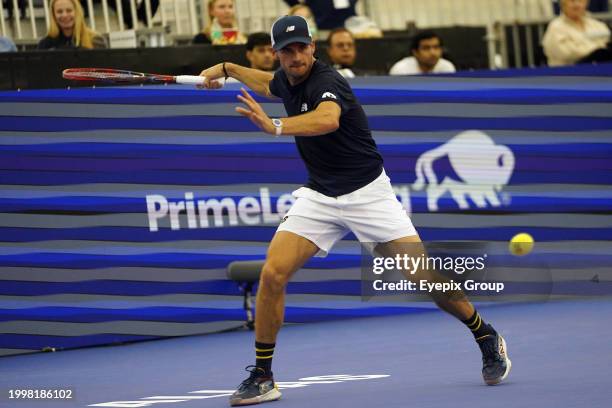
(347, 189)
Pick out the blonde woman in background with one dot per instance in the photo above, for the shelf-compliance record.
(305, 11)
(222, 27)
(67, 28)
(575, 37)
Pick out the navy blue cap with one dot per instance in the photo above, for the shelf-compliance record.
(290, 29)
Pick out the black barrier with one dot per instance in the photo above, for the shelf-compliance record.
(42, 69)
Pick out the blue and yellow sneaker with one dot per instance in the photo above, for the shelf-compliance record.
(495, 362)
(256, 389)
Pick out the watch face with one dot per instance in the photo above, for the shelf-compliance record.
(277, 122)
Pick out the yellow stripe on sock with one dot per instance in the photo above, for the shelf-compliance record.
(478, 327)
(263, 350)
(475, 320)
(263, 358)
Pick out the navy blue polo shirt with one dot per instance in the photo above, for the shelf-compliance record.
(342, 161)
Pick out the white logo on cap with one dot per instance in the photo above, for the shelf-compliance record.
(328, 95)
(290, 28)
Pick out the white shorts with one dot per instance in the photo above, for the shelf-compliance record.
(373, 213)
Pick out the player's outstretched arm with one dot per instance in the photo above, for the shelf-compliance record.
(325, 119)
(255, 79)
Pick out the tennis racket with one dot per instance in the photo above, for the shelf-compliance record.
(118, 76)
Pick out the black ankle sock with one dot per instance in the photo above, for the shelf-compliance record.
(263, 356)
(478, 327)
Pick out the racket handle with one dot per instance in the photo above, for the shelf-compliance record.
(189, 79)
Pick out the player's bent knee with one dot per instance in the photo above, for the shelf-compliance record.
(273, 277)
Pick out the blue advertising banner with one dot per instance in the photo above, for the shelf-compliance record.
(120, 208)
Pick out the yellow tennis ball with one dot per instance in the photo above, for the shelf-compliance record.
(521, 244)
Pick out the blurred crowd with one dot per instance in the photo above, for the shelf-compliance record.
(571, 38)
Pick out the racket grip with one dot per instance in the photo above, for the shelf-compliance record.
(189, 79)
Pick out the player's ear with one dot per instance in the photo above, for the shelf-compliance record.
(314, 47)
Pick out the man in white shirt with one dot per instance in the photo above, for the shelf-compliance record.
(341, 51)
(426, 57)
(574, 37)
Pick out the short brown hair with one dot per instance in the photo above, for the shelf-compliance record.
(336, 31)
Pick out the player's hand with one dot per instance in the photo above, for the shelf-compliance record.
(255, 112)
(214, 77)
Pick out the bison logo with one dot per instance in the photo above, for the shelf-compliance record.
(484, 168)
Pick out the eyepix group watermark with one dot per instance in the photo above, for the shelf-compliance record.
(425, 274)
(425, 286)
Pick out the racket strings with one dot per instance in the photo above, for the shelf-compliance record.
(109, 75)
(113, 76)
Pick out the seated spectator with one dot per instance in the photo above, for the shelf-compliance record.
(7, 45)
(595, 6)
(341, 51)
(304, 11)
(67, 28)
(574, 37)
(426, 57)
(222, 27)
(259, 52)
(328, 14)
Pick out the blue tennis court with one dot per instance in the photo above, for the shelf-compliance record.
(560, 353)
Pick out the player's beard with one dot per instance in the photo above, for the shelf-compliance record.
(297, 78)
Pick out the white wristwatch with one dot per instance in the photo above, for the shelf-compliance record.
(278, 124)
